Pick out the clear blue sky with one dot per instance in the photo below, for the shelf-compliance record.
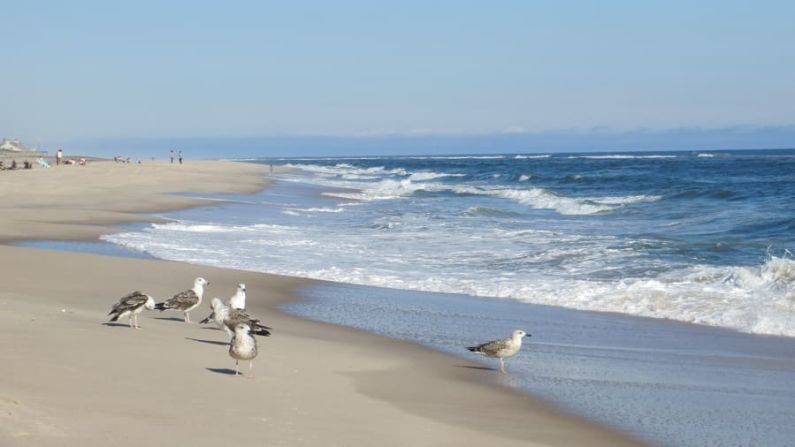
(84, 71)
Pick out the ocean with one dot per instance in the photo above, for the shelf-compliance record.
(659, 287)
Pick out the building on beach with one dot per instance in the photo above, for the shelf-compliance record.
(14, 148)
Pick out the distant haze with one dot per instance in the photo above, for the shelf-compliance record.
(563, 141)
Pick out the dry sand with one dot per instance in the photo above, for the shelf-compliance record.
(68, 378)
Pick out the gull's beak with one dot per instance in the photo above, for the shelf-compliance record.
(527, 335)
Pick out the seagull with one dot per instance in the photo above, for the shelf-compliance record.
(187, 300)
(226, 319)
(218, 315)
(238, 300)
(502, 348)
(237, 316)
(243, 347)
(130, 306)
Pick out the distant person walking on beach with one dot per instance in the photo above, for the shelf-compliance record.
(180, 157)
(58, 157)
(172, 156)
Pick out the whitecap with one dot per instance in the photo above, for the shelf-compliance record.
(525, 157)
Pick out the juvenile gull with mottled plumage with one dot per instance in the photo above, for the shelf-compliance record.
(187, 300)
(130, 306)
(237, 316)
(243, 347)
(502, 348)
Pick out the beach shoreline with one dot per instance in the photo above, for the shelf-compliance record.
(80, 381)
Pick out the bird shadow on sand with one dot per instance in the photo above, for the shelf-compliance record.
(169, 319)
(225, 371)
(109, 324)
(479, 368)
(209, 342)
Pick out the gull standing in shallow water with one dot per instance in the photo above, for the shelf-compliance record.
(243, 347)
(130, 306)
(238, 300)
(187, 300)
(502, 348)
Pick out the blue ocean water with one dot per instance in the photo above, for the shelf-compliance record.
(541, 242)
(696, 237)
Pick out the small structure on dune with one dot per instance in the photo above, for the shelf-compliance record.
(14, 148)
(14, 154)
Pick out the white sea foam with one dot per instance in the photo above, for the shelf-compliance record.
(384, 190)
(525, 178)
(345, 169)
(524, 157)
(623, 200)
(705, 155)
(543, 199)
(318, 210)
(623, 157)
(424, 176)
(534, 197)
(198, 228)
(390, 187)
(186, 227)
(469, 157)
(758, 299)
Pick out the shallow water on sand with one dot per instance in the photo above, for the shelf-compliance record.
(670, 383)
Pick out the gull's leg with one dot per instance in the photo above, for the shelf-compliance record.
(131, 321)
(251, 369)
(502, 364)
(236, 370)
(187, 317)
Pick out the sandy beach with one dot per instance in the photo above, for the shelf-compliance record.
(69, 378)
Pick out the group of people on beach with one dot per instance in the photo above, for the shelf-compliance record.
(59, 160)
(231, 316)
(172, 156)
(25, 164)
